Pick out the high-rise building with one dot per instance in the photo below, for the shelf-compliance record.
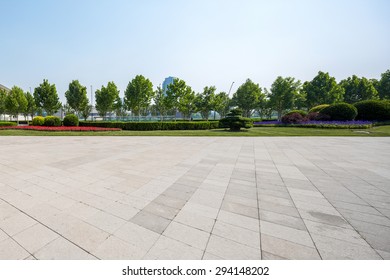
(167, 82)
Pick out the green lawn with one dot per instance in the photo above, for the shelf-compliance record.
(256, 131)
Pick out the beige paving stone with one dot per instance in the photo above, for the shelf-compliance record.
(16, 223)
(161, 210)
(169, 249)
(114, 248)
(268, 256)
(208, 256)
(10, 250)
(195, 220)
(137, 235)
(188, 235)
(241, 235)
(35, 237)
(239, 220)
(229, 249)
(106, 221)
(62, 249)
(301, 237)
(151, 221)
(3, 235)
(287, 249)
(240, 209)
(282, 219)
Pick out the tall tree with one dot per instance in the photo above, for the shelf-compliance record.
(222, 104)
(86, 111)
(160, 102)
(282, 94)
(187, 104)
(46, 97)
(76, 96)
(205, 101)
(119, 108)
(323, 89)
(174, 93)
(138, 94)
(3, 95)
(16, 102)
(384, 85)
(31, 108)
(247, 96)
(358, 89)
(105, 98)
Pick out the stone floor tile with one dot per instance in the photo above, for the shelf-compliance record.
(286, 210)
(385, 255)
(324, 218)
(10, 250)
(62, 249)
(239, 220)
(241, 235)
(286, 249)
(105, 221)
(240, 209)
(16, 223)
(35, 237)
(188, 235)
(170, 201)
(282, 219)
(121, 210)
(195, 220)
(268, 256)
(114, 248)
(208, 256)
(231, 250)
(137, 235)
(161, 210)
(169, 249)
(150, 221)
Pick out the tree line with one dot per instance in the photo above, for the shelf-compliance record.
(285, 93)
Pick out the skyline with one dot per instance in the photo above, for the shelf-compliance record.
(204, 42)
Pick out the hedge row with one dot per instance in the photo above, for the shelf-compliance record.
(319, 125)
(143, 126)
(8, 123)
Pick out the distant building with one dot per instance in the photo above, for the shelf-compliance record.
(167, 82)
(4, 87)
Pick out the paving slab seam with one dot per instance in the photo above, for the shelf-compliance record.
(307, 230)
(257, 196)
(357, 231)
(39, 222)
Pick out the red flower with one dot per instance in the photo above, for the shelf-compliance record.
(60, 128)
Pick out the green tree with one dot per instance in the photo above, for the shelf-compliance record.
(205, 101)
(138, 94)
(3, 95)
(358, 89)
(86, 111)
(282, 94)
(247, 96)
(76, 96)
(174, 93)
(105, 98)
(31, 108)
(16, 102)
(67, 109)
(323, 89)
(160, 102)
(384, 85)
(222, 104)
(119, 108)
(46, 97)
(187, 104)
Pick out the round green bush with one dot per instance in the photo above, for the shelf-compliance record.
(318, 108)
(38, 121)
(373, 110)
(71, 120)
(235, 121)
(301, 112)
(340, 112)
(52, 121)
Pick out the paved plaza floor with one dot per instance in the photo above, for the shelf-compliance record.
(194, 198)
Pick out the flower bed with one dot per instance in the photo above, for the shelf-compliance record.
(319, 124)
(60, 128)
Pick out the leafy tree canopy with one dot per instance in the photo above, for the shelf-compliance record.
(46, 97)
(76, 96)
(247, 96)
(358, 89)
(138, 94)
(105, 98)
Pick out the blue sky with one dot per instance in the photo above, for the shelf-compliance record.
(204, 42)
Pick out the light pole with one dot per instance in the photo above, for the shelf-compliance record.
(230, 89)
(91, 104)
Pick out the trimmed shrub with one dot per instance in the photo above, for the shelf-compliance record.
(293, 118)
(318, 108)
(39, 121)
(8, 123)
(340, 112)
(373, 110)
(144, 126)
(52, 121)
(235, 121)
(71, 120)
(301, 112)
(316, 116)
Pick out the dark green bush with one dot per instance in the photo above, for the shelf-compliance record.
(71, 120)
(318, 108)
(52, 121)
(8, 123)
(373, 110)
(235, 121)
(301, 112)
(143, 126)
(39, 121)
(340, 112)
